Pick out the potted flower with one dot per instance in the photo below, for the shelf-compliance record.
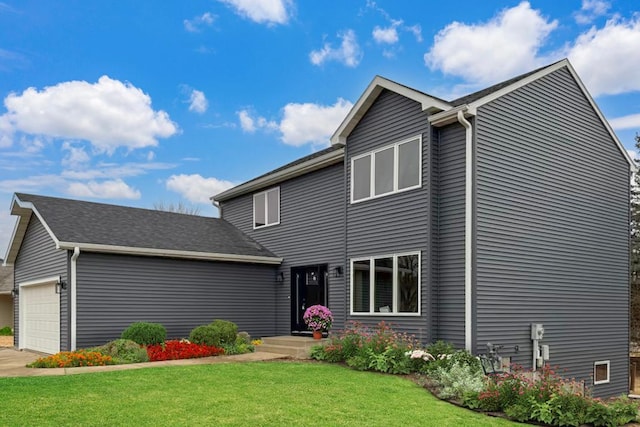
(318, 318)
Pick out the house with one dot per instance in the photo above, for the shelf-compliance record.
(6, 297)
(500, 217)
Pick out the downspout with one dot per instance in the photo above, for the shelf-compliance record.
(468, 230)
(74, 258)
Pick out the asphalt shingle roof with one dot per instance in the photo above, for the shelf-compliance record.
(98, 223)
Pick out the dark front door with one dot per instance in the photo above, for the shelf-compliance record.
(308, 287)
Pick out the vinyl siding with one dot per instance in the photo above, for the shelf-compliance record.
(398, 222)
(449, 234)
(39, 259)
(552, 231)
(114, 291)
(311, 231)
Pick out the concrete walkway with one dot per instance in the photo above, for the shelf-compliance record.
(13, 363)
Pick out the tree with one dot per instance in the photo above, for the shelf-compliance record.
(177, 208)
(635, 253)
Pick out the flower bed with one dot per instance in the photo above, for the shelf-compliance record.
(174, 350)
(72, 359)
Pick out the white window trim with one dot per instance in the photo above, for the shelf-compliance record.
(266, 209)
(602, 362)
(393, 312)
(372, 170)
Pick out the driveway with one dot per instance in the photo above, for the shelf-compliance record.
(12, 363)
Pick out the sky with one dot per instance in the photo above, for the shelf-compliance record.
(141, 103)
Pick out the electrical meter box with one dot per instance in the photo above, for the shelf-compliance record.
(537, 331)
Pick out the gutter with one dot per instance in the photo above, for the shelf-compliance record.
(74, 292)
(468, 230)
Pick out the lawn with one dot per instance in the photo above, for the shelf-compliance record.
(234, 394)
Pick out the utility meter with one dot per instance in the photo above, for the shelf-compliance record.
(537, 331)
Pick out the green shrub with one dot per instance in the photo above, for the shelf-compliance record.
(359, 362)
(6, 331)
(237, 348)
(317, 352)
(458, 380)
(569, 409)
(243, 337)
(145, 333)
(204, 334)
(124, 351)
(225, 330)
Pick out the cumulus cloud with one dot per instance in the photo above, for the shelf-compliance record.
(196, 188)
(111, 189)
(312, 123)
(269, 12)
(616, 46)
(349, 52)
(387, 35)
(631, 121)
(196, 24)
(198, 102)
(250, 124)
(590, 10)
(486, 53)
(109, 114)
(75, 157)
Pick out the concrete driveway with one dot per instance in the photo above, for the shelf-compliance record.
(13, 363)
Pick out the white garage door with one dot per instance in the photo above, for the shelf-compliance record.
(40, 318)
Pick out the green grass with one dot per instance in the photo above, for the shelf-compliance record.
(256, 394)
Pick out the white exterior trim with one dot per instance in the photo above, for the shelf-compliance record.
(38, 282)
(21, 306)
(266, 208)
(394, 312)
(73, 284)
(282, 175)
(170, 253)
(602, 362)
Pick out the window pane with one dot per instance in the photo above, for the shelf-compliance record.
(258, 209)
(273, 206)
(408, 284)
(384, 285)
(361, 178)
(384, 171)
(409, 164)
(361, 280)
(602, 372)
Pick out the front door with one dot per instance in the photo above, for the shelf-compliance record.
(308, 287)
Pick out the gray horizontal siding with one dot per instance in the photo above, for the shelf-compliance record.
(38, 259)
(114, 291)
(552, 230)
(450, 234)
(396, 223)
(311, 231)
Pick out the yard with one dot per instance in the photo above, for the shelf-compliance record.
(234, 394)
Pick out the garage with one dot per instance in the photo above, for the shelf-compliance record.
(40, 317)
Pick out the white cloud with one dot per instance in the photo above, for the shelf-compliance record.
(631, 121)
(262, 11)
(607, 59)
(387, 35)
(312, 123)
(7, 225)
(250, 124)
(76, 156)
(113, 189)
(198, 102)
(196, 24)
(114, 170)
(590, 10)
(109, 114)
(632, 153)
(416, 30)
(196, 188)
(349, 52)
(486, 53)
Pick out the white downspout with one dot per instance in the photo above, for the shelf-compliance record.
(73, 290)
(468, 229)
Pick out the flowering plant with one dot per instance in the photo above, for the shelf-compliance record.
(318, 318)
(183, 349)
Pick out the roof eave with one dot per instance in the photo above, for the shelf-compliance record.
(429, 104)
(282, 175)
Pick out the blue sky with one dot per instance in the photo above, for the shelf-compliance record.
(135, 103)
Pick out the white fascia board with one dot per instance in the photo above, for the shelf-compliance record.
(366, 100)
(275, 178)
(451, 116)
(170, 253)
(37, 282)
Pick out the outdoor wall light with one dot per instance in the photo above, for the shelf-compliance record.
(280, 277)
(337, 271)
(15, 292)
(60, 285)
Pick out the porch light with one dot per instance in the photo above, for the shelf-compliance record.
(15, 292)
(337, 271)
(280, 277)
(60, 285)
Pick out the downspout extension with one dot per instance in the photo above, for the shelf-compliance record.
(468, 230)
(74, 258)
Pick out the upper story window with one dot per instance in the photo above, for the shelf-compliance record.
(266, 208)
(394, 168)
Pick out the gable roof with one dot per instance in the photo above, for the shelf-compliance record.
(99, 227)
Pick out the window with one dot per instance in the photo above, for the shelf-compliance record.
(386, 285)
(601, 372)
(386, 171)
(266, 208)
